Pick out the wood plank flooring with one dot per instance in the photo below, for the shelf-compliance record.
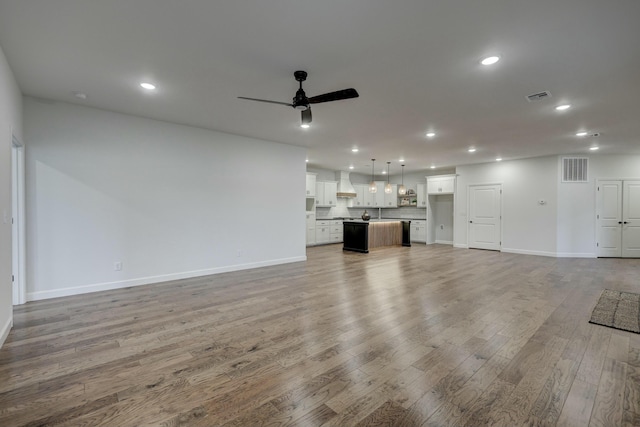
(420, 336)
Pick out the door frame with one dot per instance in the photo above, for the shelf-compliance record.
(18, 245)
(469, 187)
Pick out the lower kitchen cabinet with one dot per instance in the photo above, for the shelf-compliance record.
(311, 228)
(323, 232)
(418, 231)
(336, 231)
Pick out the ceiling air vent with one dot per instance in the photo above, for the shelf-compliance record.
(538, 96)
(575, 169)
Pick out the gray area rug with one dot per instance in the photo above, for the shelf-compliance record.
(620, 310)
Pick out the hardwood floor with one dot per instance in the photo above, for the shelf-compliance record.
(427, 335)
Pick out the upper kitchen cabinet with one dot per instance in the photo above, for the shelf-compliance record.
(422, 195)
(441, 184)
(359, 201)
(326, 193)
(377, 198)
(391, 200)
(311, 184)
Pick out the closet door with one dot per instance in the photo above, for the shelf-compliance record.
(631, 219)
(484, 217)
(609, 209)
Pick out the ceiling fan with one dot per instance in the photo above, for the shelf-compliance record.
(302, 103)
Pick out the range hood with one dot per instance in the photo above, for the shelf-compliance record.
(345, 189)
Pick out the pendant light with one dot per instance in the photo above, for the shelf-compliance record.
(373, 188)
(387, 188)
(402, 190)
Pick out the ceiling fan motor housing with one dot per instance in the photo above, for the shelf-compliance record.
(300, 101)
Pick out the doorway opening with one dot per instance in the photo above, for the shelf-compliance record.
(18, 268)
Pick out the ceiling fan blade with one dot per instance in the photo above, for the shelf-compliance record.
(306, 116)
(266, 100)
(334, 96)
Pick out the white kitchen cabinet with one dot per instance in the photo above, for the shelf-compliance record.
(323, 232)
(311, 228)
(369, 198)
(311, 184)
(441, 184)
(391, 200)
(326, 192)
(336, 231)
(358, 202)
(377, 198)
(421, 193)
(418, 231)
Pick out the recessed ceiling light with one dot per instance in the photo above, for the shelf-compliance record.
(593, 148)
(305, 126)
(499, 159)
(490, 60)
(563, 107)
(401, 160)
(355, 150)
(384, 172)
(79, 95)
(307, 160)
(147, 86)
(472, 150)
(582, 133)
(351, 167)
(433, 167)
(431, 134)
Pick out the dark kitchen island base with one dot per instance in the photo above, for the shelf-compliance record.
(360, 236)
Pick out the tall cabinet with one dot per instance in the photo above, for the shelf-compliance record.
(440, 208)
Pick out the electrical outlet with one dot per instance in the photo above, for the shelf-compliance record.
(117, 266)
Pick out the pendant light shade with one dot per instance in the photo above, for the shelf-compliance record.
(373, 188)
(387, 187)
(402, 190)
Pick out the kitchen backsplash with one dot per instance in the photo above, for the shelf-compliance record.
(341, 210)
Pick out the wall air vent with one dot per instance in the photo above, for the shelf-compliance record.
(575, 169)
(538, 96)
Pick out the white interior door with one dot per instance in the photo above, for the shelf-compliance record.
(609, 218)
(485, 216)
(631, 219)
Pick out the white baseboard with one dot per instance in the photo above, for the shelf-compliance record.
(461, 246)
(444, 242)
(528, 252)
(549, 254)
(6, 328)
(107, 286)
(575, 255)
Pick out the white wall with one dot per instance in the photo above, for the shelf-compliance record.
(577, 203)
(566, 225)
(168, 201)
(527, 227)
(10, 123)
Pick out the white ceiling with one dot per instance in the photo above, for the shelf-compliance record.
(415, 64)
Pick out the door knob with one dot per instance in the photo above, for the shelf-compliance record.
(470, 222)
(625, 222)
(619, 222)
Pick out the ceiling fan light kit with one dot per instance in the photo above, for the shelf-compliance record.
(303, 104)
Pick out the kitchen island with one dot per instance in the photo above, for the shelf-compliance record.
(360, 236)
